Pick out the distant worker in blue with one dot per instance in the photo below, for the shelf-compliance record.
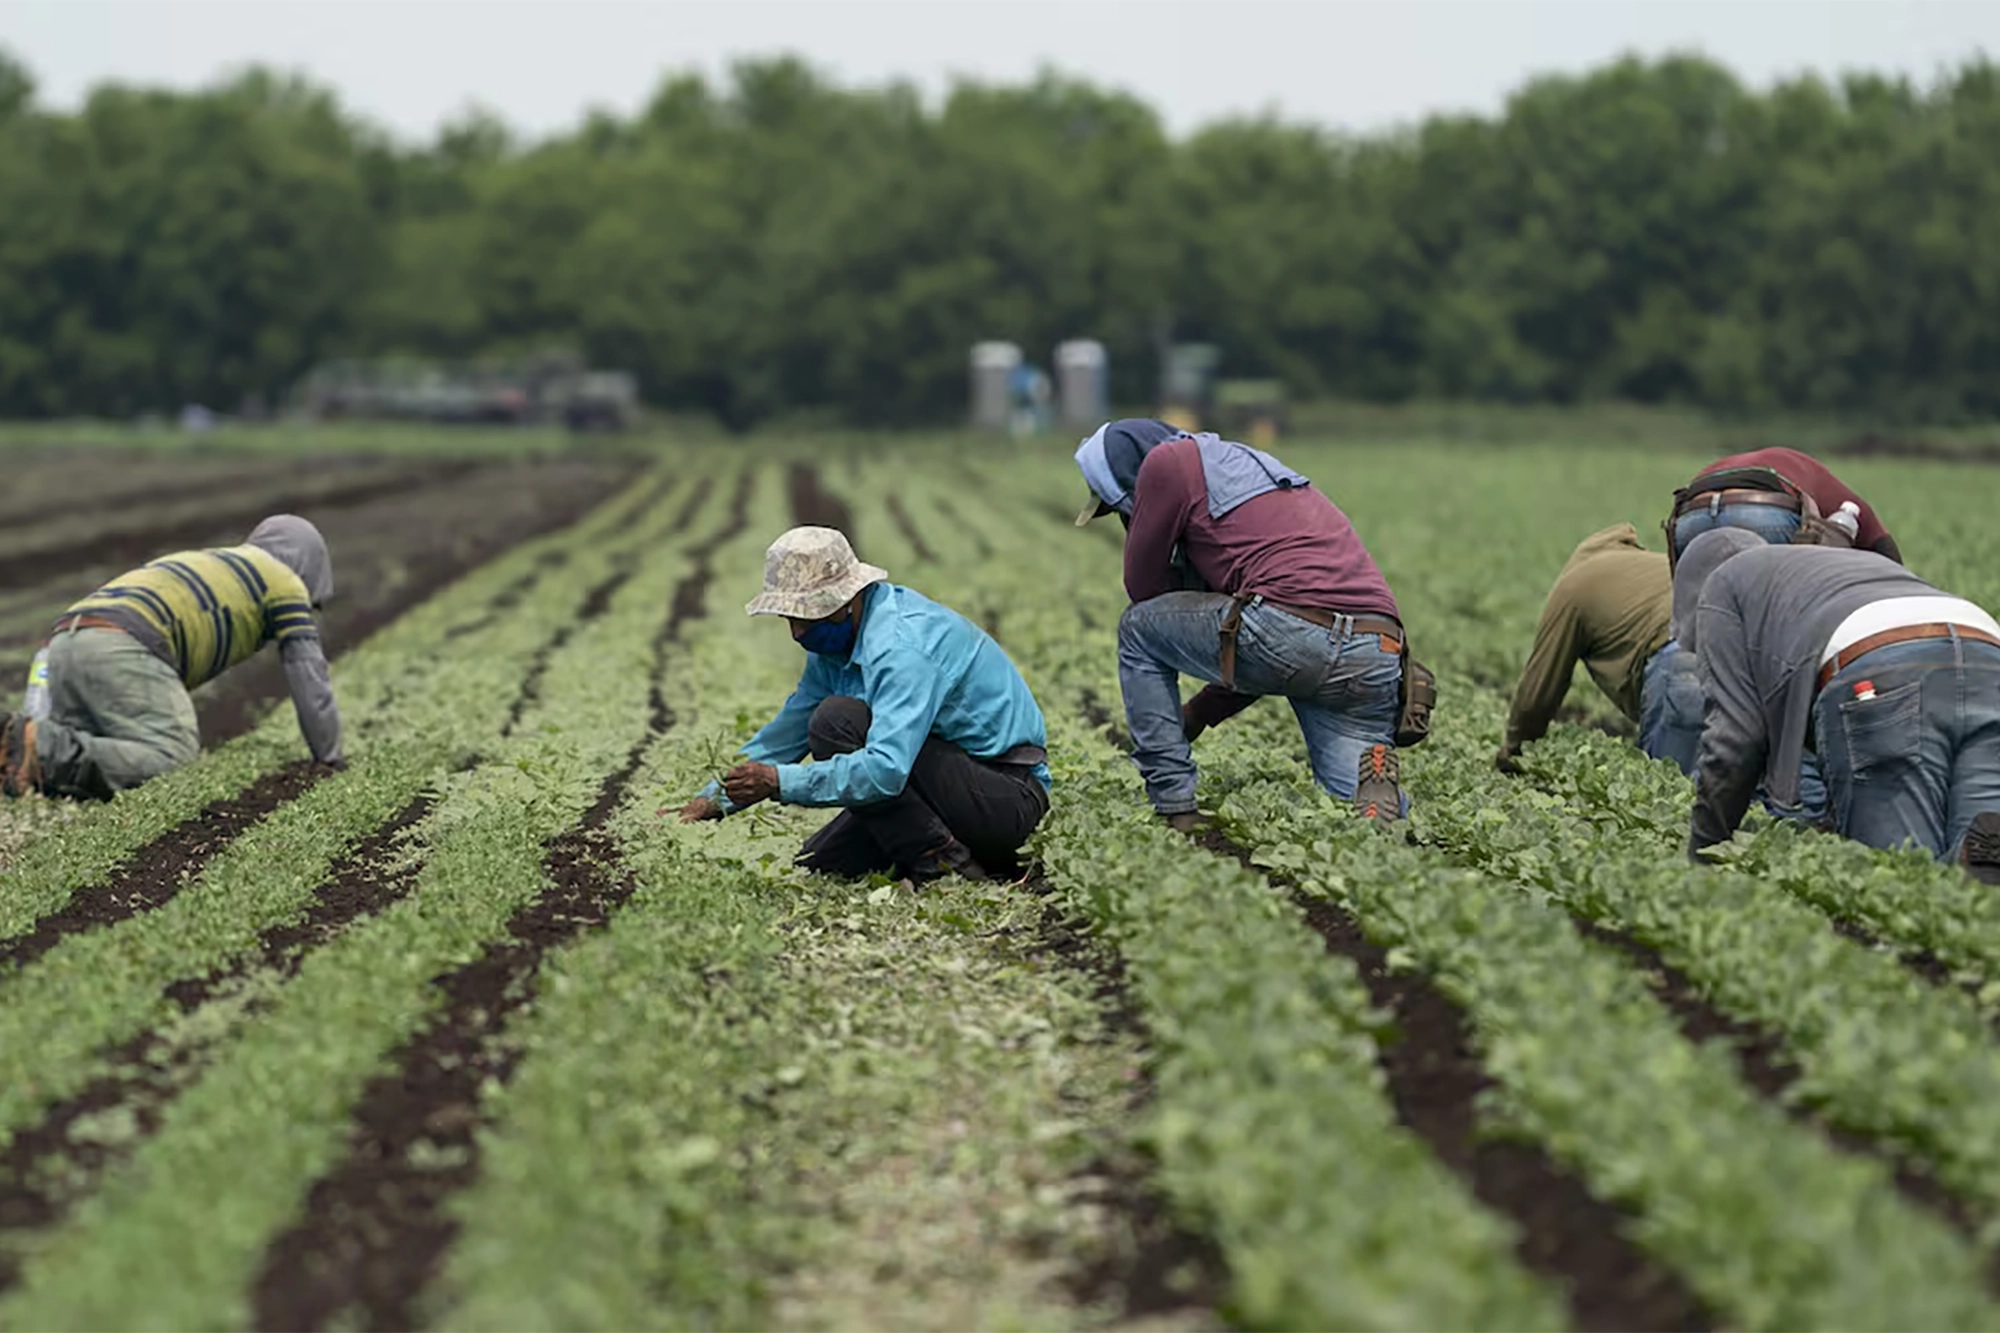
(918, 726)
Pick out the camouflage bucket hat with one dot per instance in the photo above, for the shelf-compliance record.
(809, 573)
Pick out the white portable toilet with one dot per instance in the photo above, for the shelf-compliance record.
(993, 367)
(1083, 387)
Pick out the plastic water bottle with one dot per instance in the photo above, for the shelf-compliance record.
(35, 703)
(1847, 518)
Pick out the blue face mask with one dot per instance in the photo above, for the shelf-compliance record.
(829, 640)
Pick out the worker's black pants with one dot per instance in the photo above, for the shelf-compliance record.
(952, 804)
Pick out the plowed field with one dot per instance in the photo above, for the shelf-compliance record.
(468, 1036)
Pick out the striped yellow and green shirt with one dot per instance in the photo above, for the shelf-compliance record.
(205, 611)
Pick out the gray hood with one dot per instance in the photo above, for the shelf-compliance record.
(298, 543)
(1704, 555)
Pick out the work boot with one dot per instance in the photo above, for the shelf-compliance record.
(1190, 822)
(20, 766)
(1378, 794)
(1980, 853)
(952, 858)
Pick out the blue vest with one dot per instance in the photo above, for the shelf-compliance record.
(1237, 474)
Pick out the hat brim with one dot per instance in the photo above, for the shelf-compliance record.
(819, 603)
(1092, 508)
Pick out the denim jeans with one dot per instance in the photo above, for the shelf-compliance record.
(1670, 728)
(1344, 689)
(1919, 759)
(1670, 706)
(1775, 525)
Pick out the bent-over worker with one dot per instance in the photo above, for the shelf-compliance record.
(1896, 683)
(1289, 603)
(122, 660)
(1610, 609)
(1782, 495)
(917, 724)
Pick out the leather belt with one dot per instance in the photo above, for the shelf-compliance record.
(1716, 499)
(1391, 631)
(1936, 629)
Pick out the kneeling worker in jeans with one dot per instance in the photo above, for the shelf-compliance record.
(1292, 605)
(1896, 685)
(917, 723)
(122, 660)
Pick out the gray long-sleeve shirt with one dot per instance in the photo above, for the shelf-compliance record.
(1763, 622)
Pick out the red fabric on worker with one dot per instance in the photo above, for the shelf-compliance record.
(1291, 546)
(1808, 474)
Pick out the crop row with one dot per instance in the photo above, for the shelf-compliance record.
(1271, 1125)
(1588, 1061)
(1272, 1128)
(74, 527)
(1901, 897)
(752, 1093)
(418, 654)
(269, 1114)
(1877, 1050)
(1769, 1223)
(98, 987)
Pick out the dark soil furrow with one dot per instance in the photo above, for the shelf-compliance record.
(908, 527)
(31, 567)
(696, 501)
(1165, 1268)
(1436, 1080)
(376, 1228)
(48, 1167)
(596, 601)
(1761, 1060)
(163, 867)
(950, 514)
(512, 595)
(128, 479)
(235, 704)
(815, 506)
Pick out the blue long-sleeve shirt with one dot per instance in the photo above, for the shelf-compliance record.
(923, 670)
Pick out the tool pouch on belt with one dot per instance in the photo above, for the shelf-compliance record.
(1232, 620)
(1419, 695)
(1416, 697)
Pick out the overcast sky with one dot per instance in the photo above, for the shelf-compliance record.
(1353, 64)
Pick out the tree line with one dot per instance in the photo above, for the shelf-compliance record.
(774, 244)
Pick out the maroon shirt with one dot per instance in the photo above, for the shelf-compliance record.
(1806, 473)
(1291, 546)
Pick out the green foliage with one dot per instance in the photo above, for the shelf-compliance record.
(271, 1112)
(1273, 1130)
(774, 244)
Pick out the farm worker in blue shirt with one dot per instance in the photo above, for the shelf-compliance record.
(917, 723)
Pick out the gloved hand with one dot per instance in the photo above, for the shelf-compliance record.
(1191, 723)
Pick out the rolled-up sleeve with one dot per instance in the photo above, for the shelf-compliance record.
(903, 698)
